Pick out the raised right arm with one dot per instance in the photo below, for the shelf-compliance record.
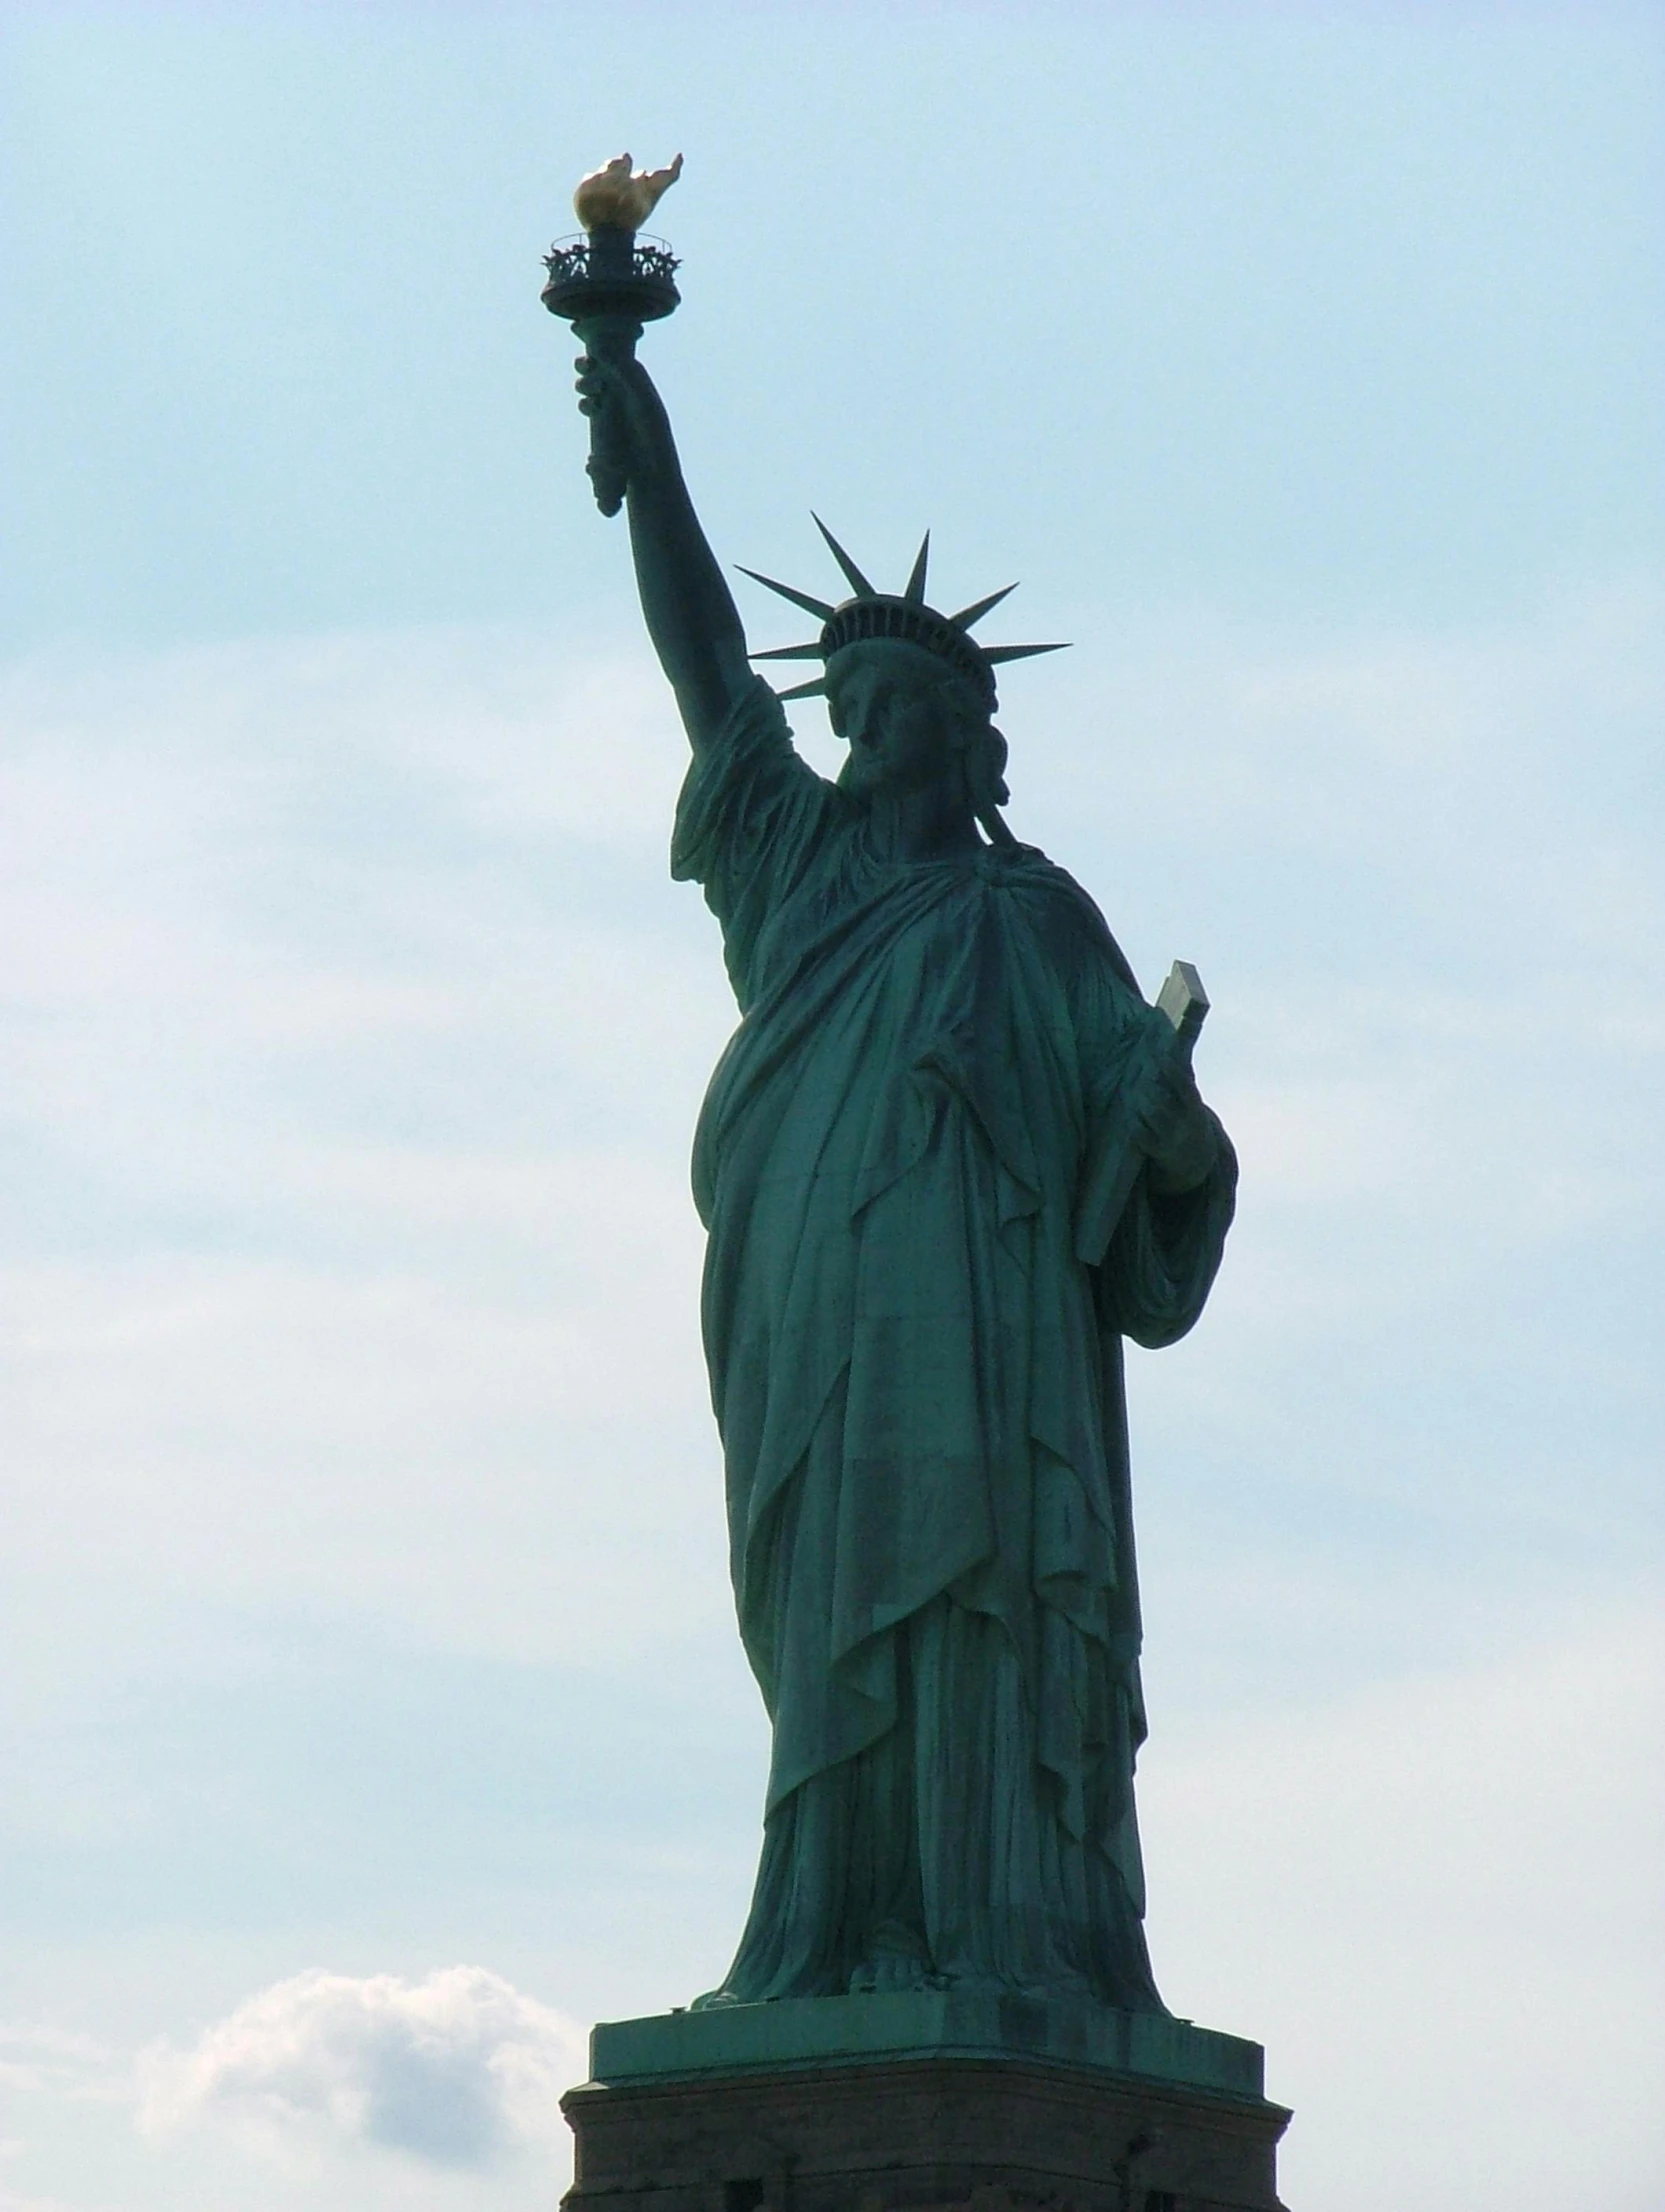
(690, 611)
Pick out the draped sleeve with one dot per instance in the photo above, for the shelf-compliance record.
(1155, 1255)
(750, 819)
(1166, 1252)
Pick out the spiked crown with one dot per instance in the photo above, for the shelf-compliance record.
(903, 616)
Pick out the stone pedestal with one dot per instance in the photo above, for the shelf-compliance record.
(921, 2102)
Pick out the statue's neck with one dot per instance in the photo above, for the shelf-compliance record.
(932, 823)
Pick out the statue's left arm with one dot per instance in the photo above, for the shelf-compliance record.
(1156, 1250)
(1165, 1250)
(1175, 1131)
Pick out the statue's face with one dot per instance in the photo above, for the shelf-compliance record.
(885, 699)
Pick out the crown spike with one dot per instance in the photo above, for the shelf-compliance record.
(967, 616)
(1021, 652)
(853, 576)
(789, 653)
(914, 589)
(816, 607)
(816, 690)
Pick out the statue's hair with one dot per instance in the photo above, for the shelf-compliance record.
(983, 753)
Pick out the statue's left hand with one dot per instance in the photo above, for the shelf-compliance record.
(1176, 1131)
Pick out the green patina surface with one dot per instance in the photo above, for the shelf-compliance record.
(911, 2024)
(950, 1159)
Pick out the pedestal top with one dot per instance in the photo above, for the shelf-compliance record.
(923, 2023)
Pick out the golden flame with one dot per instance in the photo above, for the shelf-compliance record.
(612, 195)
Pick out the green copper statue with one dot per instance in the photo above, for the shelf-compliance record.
(949, 1159)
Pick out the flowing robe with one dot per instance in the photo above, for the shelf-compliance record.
(913, 1308)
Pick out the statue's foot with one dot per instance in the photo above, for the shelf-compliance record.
(887, 1971)
(895, 1960)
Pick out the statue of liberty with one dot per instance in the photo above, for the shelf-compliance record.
(945, 1166)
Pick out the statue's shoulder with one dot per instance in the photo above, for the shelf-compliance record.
(1064, 914)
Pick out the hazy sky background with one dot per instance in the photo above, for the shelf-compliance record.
(374, 1715)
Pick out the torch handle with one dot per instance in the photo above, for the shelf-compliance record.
(608, 338)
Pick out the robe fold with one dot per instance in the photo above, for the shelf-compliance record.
(913, 1314)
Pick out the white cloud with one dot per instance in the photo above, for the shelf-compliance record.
(61, 2076)
(352, 1090)
(351, 1283)
(458, 2070)
(11, 2202)
(350, 1172)
(1439, 1906)
(35, 2058)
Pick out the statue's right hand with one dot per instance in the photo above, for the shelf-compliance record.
(616, 389)
(691, 615)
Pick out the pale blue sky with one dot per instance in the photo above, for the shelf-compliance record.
(364, 1579)
(1347, 309)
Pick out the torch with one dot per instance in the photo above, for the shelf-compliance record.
(608, 283)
